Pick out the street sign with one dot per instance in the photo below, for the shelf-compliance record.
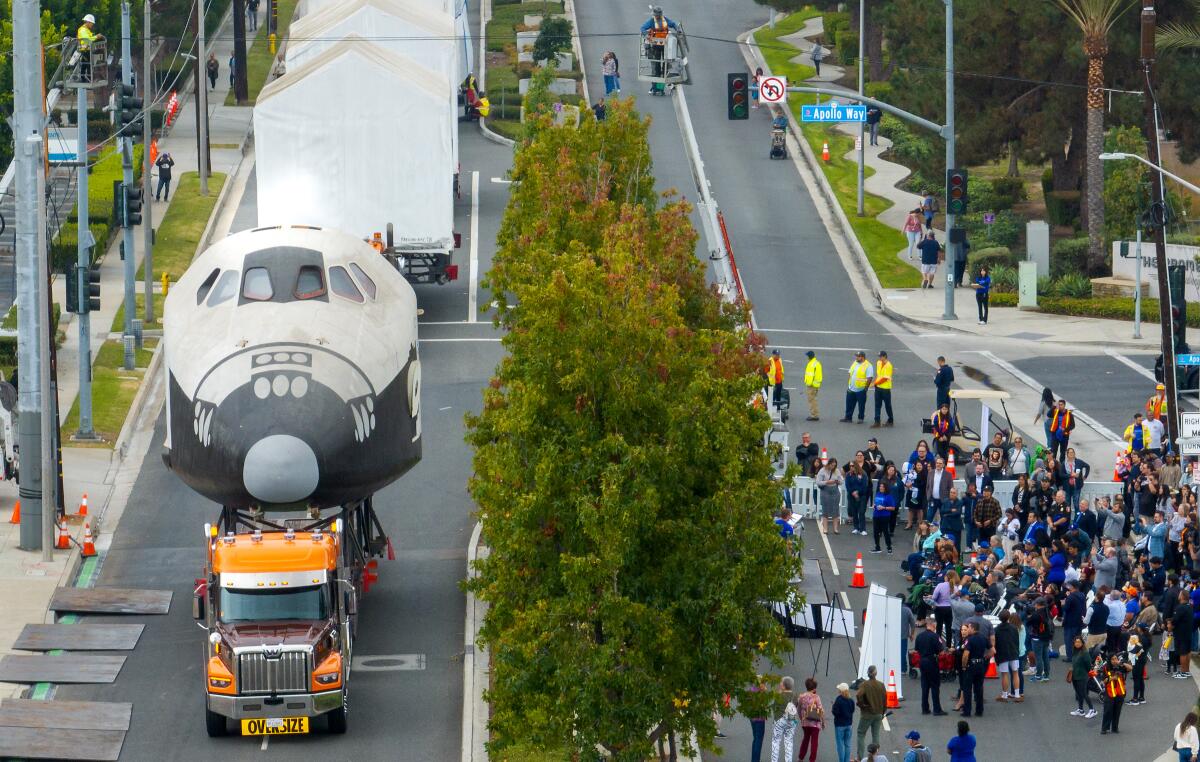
(989, 218)
(1187, 359)
(1189, 446)
(833, 112)
(772, 89)
(1189, 425)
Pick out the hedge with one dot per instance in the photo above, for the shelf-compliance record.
(8, 344)
(1108, 307)
(1063, 208)
(1069, 255)
(991, 257)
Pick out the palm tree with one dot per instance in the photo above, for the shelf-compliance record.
(1179, 35)
(1095, 18)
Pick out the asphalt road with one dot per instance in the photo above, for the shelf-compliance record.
(416, 607)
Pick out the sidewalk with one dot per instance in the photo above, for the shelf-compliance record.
(26, 583)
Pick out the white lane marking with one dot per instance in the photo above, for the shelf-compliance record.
(263, 747)
(1037, 386)
(472, 295)
(831, 333)
(845, 600)
(1130, 363)
(443, 409)
(828, 550)
(501, 181)
(427, 341)
(832, 349)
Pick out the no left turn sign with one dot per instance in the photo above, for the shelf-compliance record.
(772, 89)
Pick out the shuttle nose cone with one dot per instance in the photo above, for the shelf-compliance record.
(280, 469)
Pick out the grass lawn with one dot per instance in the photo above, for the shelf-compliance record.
(118, 324)
(113, 390)
(179, 234)
(502, 81)
(880, 241)
(259, 58)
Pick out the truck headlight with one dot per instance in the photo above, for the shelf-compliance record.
(328, 673)
(328, 679)
(220, 679)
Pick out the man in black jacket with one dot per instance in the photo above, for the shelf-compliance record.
(1072, 615)
(1097, 623)
(943, 380)
(1008, 657)
(928, 645)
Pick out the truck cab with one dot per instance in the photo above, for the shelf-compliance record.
(278, 608)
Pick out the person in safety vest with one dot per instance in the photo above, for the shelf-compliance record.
(1156, 406)
(1112, 682)
(1062, 423)
(654, 35)
(861, 374)
(1137, 434)
(883, 390)
(775, 376)
(86, 36)
(943, 427)
(812, 384)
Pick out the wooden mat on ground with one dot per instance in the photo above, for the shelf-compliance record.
(76, 715)
(79, 637)
(65, 668)
(110, 600)
(88, 730)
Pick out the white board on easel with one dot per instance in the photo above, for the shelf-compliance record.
(881, 638)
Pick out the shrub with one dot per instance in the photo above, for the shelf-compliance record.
(1005, 230)
(1069, 257)
(1004, 279)
(1047, 181)
(1074, 286)
(1010, 189)
(1046, 286)
(847, 48)
(554, 38)
(991, 258)
(915, 150)
(1062, 207)
(834, 24)
(1184, 239)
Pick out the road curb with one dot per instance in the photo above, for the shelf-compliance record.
(121, 446)
(475, 668)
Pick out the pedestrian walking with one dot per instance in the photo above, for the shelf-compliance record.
(861, 374)
(983, 287)
(758, 78)
(1186, 742)
(931, 255)
(929, 208)
(1112, 679)
(784, 729)
(829, 482)
(843, 721)
(912, 230)
(943, 379)
(874, 114)
(883, 390)
(812, 384)
(872, 704)
(812, 719)
(917, 751)
(928, 647)
(1079, 674)
(252, 15)
(232, 71)
(818, 55)
(164, 164)
(775, 377)
(214, 69)
(1045, 409)
(612, 74)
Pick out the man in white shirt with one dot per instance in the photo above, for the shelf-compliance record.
(1156, 435)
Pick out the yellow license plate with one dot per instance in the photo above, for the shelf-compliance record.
(274, 726)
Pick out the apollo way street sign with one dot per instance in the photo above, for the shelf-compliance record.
(833, 112)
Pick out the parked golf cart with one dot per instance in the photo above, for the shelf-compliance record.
(964, 439)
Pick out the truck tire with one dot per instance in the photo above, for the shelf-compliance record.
(337, 721)
(215, 724)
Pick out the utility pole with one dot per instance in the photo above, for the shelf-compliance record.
(147, 131)
(48, 421)
(127, 166)
(1158, 217)
(241, 92)
(83, 260)
(862, 149)
(27, 131)
(948, 313)
(201, 100)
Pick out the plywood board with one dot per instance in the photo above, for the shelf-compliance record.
(79, 637)
(61, 743)
(110, 600)
(66, 668)
(73, 715)
(811, 585)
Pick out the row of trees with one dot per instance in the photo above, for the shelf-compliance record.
(619, 472)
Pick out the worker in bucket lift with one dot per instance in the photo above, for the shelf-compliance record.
(654, 35)
(85, 36)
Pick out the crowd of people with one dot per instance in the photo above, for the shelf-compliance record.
(1010, 579)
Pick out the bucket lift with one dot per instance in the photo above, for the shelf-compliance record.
(86, 68)
(662, 59)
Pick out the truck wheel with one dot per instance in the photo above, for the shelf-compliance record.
(337, 720)
(215, 724)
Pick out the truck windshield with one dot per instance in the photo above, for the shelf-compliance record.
(273, 605)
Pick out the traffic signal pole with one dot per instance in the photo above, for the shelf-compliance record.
(951, 250)
(147, 129)
(83, 258)
(127, 165)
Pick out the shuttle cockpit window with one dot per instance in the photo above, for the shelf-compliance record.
(310, 283)
(342, 285)
(256, 285)
(363, 279)
(225, 289)
(207, 285)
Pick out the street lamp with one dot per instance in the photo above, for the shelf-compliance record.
(1116, 156)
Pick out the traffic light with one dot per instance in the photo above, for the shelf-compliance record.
(956, 191)
(132, 195)
(91, 286)
(1175, 287)
(739, 96)
(129, 112)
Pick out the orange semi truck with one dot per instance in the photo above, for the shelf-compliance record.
(279, 606)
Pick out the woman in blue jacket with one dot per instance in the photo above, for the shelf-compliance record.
(982, 285)
(885, 508)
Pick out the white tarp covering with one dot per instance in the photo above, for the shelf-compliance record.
(466, 52)
(331, 152)
(881, 639)
(444, 7)
(408, 29)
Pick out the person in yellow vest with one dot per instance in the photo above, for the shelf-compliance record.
(812, 384)
(86, 36)
(883, 390)
(775, 376)
(861, 374)
(1062, 423)
(1112, 678)
(1137, 434)
(1156, 406)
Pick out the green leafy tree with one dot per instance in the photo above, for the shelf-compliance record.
(619, 471)
(553, 38)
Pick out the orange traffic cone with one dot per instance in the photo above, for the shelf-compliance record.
(974, 558)
(63, 542)
(824, 457)
(950, 465)
(83, 505)
(991, 670)
(893, 699)
(15, 518)
(860, 577)
(1117, 466)
(825, 151)
(89, 547)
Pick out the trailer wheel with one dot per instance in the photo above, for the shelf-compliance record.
(215, 724)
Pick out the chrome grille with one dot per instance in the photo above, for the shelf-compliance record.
(287, 673)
